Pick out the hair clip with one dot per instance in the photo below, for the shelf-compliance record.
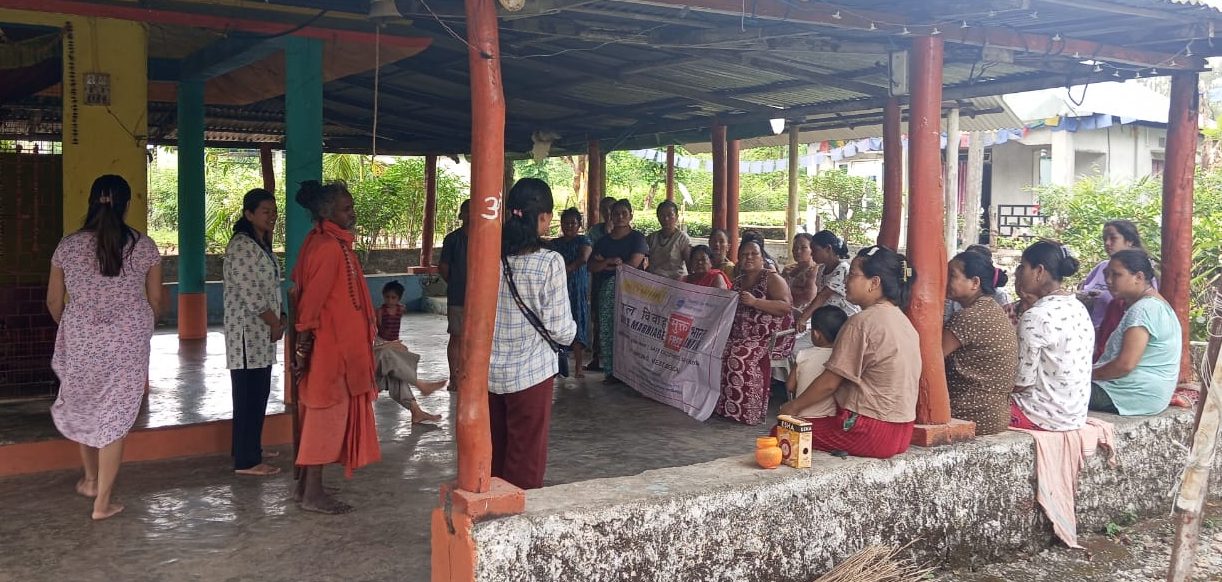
(1065, 251)
(517, 212)
(870, 251)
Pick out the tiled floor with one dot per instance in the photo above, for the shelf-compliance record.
(191, 519)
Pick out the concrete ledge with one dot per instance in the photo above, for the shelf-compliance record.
(728, 520)
(148, 444)
(437, 305)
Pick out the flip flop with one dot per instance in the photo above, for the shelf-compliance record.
(260, 470)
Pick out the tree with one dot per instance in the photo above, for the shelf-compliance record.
(854, 205)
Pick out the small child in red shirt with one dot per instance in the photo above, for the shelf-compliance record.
(396, 365)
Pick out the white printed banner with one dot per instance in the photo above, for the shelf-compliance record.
(669, 338)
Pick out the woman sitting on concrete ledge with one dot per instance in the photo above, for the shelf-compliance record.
(874, 369)
(1140, 364)
(979, 344)
(1055, 344)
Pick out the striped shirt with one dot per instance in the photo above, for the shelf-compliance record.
(521, 357)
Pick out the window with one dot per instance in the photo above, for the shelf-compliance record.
(1044, 167)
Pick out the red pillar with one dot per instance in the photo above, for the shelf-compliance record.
(893, 175)
(670, 173)
(1177, 203)
(926, 245)
(484, 232)
(732, 195)
(269, 171)
(594, 182)
(476, 495)
(430, 211)
(718, 136)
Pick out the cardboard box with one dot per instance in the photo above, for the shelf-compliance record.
(793, 435)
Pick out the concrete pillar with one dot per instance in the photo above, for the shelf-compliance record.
(926, 246)
(893, 175)
(192, 302)
(302, 135)
(430, 211)
(952, 180)
(1061, 149)
(718, 136)
(111, 139)
(733, 188)
(975, 188)
(1177, 204)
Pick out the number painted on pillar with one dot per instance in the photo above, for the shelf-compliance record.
(494, 208)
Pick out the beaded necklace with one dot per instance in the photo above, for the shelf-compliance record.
(351, 275)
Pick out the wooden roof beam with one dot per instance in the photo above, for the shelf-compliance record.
(832, 16)
(787, 68)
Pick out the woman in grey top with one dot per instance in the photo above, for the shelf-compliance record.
(253, 325)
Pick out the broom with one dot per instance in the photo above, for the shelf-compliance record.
(877, 563)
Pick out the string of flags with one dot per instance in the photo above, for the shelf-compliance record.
(826, 151)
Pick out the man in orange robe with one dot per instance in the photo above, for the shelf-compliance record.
(334, 352)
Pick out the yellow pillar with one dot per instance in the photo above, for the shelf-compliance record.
(101, 139)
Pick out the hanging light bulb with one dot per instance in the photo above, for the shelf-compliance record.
(905, 31)
(1188, 49)
(1035, 14)
(1098, 68)
(1116, 73)
(1138, 75)
(935, 32)
(836, 15)
(778, 125)
(992, 13)
(1056, 37)
(1076, 56)
(873, 27)
(964, 25)
(1154, 72)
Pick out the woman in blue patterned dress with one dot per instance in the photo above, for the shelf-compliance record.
(575, 248)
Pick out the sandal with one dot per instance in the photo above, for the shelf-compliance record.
(260, 470)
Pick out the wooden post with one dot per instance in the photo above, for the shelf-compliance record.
(791, 214)
(952, 180)
(430, 211)
(1177, 203)
(926, 245)
(267, 167)
(893, 175)
(594, 188)
(1194, 489)
(975, 187)
(718, 135)
(484, 251)
(670, 173)
(733, 181)
(476, 495)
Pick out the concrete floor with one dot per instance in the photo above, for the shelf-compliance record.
(191, 519)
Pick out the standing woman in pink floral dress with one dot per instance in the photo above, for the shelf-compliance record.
(104, 291)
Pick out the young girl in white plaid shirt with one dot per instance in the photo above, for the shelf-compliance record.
(533, 319)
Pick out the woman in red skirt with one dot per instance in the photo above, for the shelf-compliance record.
(874, 369)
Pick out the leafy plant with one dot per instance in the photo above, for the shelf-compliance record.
(1077, 214)
(854, 205)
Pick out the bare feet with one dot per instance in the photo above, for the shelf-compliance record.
(427, 388)
(325, 504)
(260, 470)
(87, 487)
(110, 511)
(420, 416)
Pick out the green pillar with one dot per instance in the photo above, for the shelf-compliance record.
(302, 135)
(192, 303)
